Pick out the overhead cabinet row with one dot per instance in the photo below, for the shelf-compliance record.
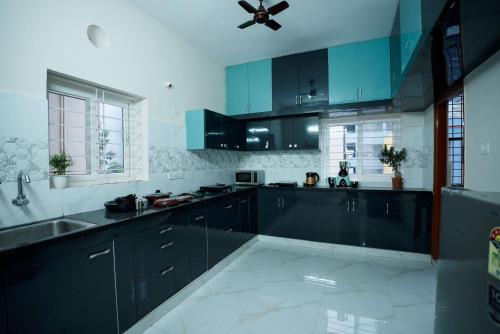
(359, 72)
(210, 130)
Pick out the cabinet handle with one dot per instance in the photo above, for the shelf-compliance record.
(348, 206)
(166, 271)
(228, 207)
(283, 203)
(290, 145)
(101, 253)
(199, 218)
(243, 201)
(300, 99)
(356, 92)
(279, 201)
(353, 206)
(296, 99)
(166, 230)
(168, 244)
(361, 92)
(267, 144)
(229, 230)
(295, 145)
(387, 208)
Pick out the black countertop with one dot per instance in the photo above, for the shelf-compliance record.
(104, 220)
(358, 189)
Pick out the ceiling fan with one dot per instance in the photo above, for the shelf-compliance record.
(261, 15)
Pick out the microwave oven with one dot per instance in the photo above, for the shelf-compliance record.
(249, 177)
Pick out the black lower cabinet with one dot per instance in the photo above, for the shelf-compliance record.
(299, 218)
(198, 244)
(289, 213)
(3, 307)
(222, 223)
(157, 286)
(71, 294)
(388, 220)
(335, 224)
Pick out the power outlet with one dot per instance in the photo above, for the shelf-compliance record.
(175, 175)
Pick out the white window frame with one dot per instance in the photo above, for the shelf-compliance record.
(359, 121)
(135, 160)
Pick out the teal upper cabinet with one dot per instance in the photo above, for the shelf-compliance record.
(237, 89)
(260, 86)
(410, 15)
(359, 72)
(249, 87)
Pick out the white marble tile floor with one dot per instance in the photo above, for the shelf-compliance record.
(274, 288)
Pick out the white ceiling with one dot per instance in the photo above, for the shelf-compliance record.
(211, 25)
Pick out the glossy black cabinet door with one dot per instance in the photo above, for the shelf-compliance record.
(334, 218)
(313, 76)
(286, 81)
(73, 294)
(223, 217)
(300, 216)
(214, 135)
(287, 133)
(258, 135)
(269, 211)
(238, 138)
(403, 229)
(157, 286)
(306, 133)
(370, 220)
(198, 256)
(125, 281)
(3, 307)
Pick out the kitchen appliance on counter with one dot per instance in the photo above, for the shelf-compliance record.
(284, 184)
(311, 179)
(156, 195)
(121, 204)
(468, 279)
(217, 188)
(249, 177)
(343, 180)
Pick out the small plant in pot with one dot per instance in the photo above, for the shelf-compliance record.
(60, 163)
(394, 159)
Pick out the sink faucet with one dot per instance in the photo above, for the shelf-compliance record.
(21, 199)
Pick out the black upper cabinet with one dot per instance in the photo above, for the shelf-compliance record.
(313, 76)
(214, 135)
(72, 294)
(285, 81)
(300, 79)
(298, 133)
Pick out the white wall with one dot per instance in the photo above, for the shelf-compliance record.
(482, 126)
(143, 55)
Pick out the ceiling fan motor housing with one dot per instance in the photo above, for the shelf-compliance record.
(261, 17)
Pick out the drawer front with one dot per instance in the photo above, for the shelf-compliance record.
(224, 214)
(153, 247)
(157, 286)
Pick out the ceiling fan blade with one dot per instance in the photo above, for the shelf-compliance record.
(246, 24)
(248, 7)
(273, 24)
(278, 8)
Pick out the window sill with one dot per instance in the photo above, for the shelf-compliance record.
(75, 183)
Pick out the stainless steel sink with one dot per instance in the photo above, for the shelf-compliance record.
(27, 234)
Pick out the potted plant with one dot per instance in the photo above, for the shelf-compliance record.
(60, 163)
(393, 158)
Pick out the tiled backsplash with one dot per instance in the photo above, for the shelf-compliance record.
(18, 153)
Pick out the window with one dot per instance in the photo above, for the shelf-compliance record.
(99, 128)
(359, 141)
(456, 140)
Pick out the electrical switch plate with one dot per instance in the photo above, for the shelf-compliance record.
(485, 148)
